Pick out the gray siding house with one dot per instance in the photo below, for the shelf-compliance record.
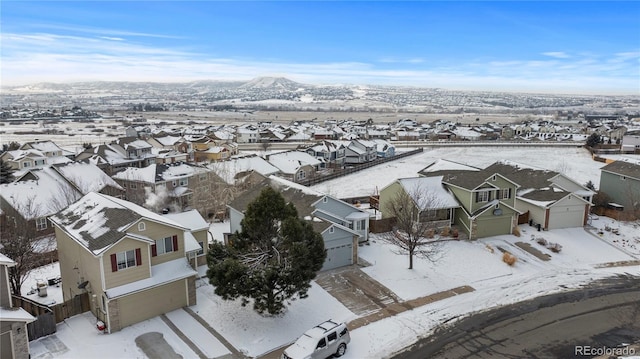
(620, 180)
(341, 225)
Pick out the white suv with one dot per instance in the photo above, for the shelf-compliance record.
(320, 342)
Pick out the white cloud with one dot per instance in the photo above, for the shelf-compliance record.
(556, 54)
(62, 58)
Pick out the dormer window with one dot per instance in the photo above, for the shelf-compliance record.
(493, 178)
(142, 226)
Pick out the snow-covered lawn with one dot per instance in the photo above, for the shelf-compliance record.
(571, 161)
(462, 263)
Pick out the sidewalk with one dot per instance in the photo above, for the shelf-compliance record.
(388, 311)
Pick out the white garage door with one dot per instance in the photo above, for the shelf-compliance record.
(339, 256)
(566, 217)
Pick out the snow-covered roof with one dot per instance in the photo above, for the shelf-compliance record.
(168, 140)
(44, 146)
(145, 174)
(160, 274)
(45, 195)
(291, 161)
(446, 165)
(87, 177)
(428, 192)
(15, 315)
(4, 260)
(98, 221)
(189, 219)
(227, 170)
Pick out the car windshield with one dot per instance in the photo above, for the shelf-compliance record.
(307, 342)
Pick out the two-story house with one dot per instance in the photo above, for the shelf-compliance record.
(332, 154)
(14, 341)
(341, 225)
(295, 166)
(179, 186)
(133, 262)
(620, 181)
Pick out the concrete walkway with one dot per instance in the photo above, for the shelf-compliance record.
(365, 296)
(199, 335)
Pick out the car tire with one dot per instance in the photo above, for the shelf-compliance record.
(342, 348)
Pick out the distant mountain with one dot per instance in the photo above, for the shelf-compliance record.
(273, 83)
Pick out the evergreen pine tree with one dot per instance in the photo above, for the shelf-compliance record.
(6, 172)
(273, 259)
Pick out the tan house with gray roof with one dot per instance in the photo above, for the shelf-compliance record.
(131, 261)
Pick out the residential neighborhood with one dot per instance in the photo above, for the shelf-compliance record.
(120, 229)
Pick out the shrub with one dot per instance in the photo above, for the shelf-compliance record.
(509, 258)
(489, 248)
(446, 231)
(541, 241)
(554, 247)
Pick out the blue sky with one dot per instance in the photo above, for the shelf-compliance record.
(527, 46)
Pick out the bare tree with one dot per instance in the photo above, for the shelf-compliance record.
(20, 242)
(414, 213)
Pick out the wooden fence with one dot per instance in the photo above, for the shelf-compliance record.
(47, 317)
(345, 171)
(45, 323)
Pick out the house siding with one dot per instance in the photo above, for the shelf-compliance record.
(340, 248)
(621, 191)
(72, 255)
(536, 214)
(14, 342)
(128, 275)
(156, 231)
(387, 195)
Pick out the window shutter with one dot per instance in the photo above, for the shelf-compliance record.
(138, 257)
(477, 196)
(114, 263)
(509, 192)
(154, 251)
(175, 243)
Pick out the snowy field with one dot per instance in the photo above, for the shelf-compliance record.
(574, 162)
(581, 260)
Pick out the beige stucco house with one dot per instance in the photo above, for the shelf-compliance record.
(14, 341)
(132, 262)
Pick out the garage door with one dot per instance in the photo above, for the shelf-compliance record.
(338, 256)
(151, 303)
(566, 217)
(495, 226)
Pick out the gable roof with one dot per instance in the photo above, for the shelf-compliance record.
(99, 221)
(302, 199)
(87, 177)
(229, 169)
(40, 193)
(428, 192)
(626, 168)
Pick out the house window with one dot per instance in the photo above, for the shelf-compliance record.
(331, 229)
(360, 225)
(41, 223)
(126, 259)
(482, 196)
(142, 226)
(133, 186)
(505, 193)
(493, 178)
(26, 164)
(165, 245)
(302, 175)
(325, 199)
(201, 250)
(124, 185)
(202, 177)
(183, 181)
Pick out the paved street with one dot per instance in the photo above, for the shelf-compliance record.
(547, 327)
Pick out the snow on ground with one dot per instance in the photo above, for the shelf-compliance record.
(254, 334)
(572, 161)
(463, 263)
(43, 274)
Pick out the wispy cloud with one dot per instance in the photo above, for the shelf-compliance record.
(557, 54)
(28, 58)
(80, 30)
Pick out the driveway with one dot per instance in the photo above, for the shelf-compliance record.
(356, 290)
